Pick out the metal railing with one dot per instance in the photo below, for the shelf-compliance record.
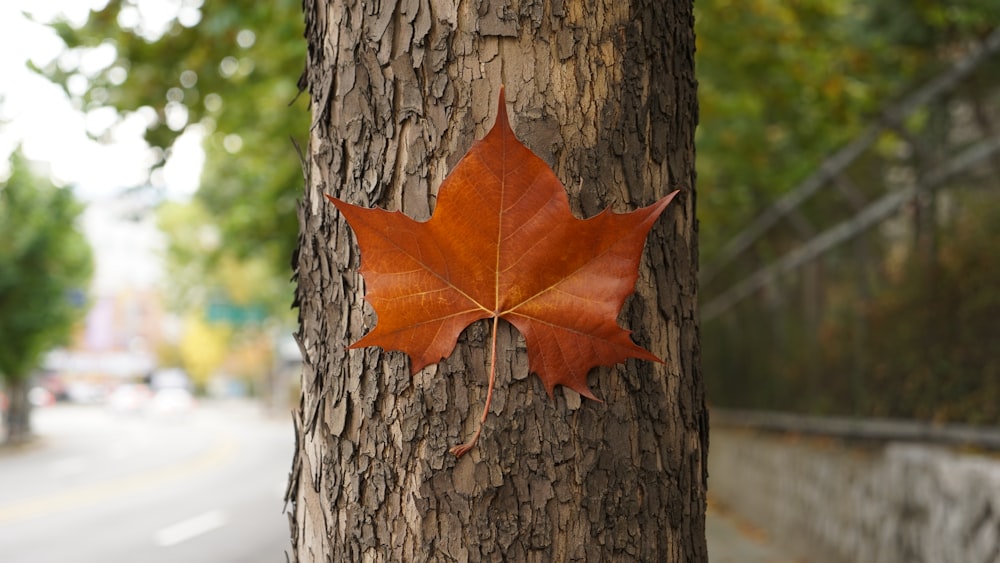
(868, 429)
(833, 170)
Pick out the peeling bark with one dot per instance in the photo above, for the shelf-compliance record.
(604, 91)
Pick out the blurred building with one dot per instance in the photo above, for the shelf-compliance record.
(126, 323)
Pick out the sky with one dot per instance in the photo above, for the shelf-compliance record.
(39, 116)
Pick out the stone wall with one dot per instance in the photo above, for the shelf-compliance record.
(829, 502)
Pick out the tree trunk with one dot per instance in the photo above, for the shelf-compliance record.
(17, 415)
(400, 90)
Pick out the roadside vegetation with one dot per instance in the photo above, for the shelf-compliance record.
(781, 86)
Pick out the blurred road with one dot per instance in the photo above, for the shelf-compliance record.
(105, 487)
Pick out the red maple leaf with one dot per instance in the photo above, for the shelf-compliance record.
(502, 243)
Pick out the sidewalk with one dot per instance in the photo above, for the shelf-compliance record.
(733, 540)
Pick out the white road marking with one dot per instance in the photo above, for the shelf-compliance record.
(190, 528)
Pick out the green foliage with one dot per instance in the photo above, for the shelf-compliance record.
(924, 24)
(782, 85)
(45, 266)
(203, 272)
(923, 345)
(230, 69)
(931, 350)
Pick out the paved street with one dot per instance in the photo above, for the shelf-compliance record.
(105, 487)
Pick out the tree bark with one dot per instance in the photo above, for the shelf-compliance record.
(604, 91)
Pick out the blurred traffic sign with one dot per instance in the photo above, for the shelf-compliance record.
(238, 315)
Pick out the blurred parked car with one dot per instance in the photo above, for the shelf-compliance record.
(172, 401)
(40, 397)
(169, 378)
(129, 398)
(84, 393)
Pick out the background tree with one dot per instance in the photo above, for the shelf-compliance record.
(784, 85)
(605, 95)
(45, 267)
(226, 72)
(233, 306)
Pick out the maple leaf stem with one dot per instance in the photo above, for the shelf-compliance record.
(493, 370)
(461, 449)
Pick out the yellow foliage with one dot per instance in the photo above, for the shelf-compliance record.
(252, 357)
(203, 347)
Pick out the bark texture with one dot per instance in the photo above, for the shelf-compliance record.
(604, 91)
